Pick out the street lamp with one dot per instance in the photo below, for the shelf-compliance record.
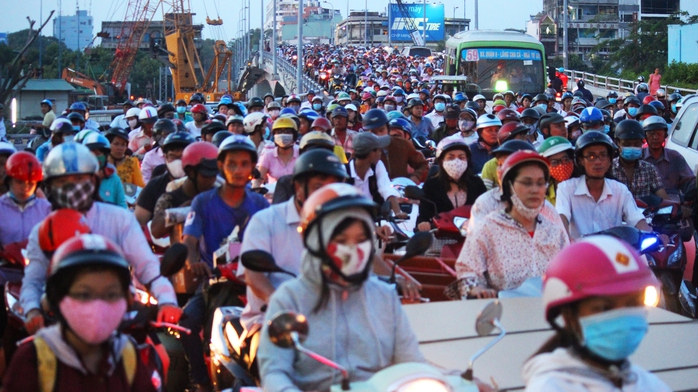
(454, 11)
(332, 16)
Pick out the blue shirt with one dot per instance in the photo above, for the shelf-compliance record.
(111, 190)
(43, 150)
(479, 156)
(424, 129)
(211, 220)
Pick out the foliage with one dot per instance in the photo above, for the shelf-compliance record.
(574, 61)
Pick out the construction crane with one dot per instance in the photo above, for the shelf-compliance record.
(409, 24)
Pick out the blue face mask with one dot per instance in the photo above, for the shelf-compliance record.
(612, 100)
(317, 106)
(631, 153)
(673, 108)
(606, 128)
(266, 133)
(543, 106)
(439, 106)
(616, 334)
(181, 109)
(632, 111)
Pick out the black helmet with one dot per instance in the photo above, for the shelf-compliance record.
(654, 123)
(212, 127)
(593, 138)
(602, 103)
(166, 108)
(607, 118)
(530, 113)
(375, 118)
(197, 97)
(540, 97)
(116, 132)
(415, 102)
(646, 109)
(318, 161)
(255, 102)
(612, 94)
(674, 97)
(164, 127)
(473, 105)
(632, 99)
(642, 88)
(580, 83)
(512, 146)
(177, 140)
(629, 129)
(219, 136)
(76, 116)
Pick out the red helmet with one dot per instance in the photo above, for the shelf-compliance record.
(594, 266)
(520, 157)
(60, 226)
(498, 109)
(330, 198)
(24, 166)
(322, 123)
(199, 153)
(647, 100)
(509, 130)
(507, 115)
(199, 108)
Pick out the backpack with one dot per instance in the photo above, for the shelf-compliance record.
(372, 184)
(47, 364)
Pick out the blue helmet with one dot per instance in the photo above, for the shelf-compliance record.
(308, 114)
(398, 92)
(78, 106)
(47, 102)
(658, 105)
(287, 110)
(375, 118)
(401, 123)
(96, 141)
(460, 97)
(590, 115)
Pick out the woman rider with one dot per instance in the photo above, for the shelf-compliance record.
(560, 153)
(127, 167)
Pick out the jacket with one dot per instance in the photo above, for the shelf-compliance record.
(560, 370)
(441, 132)
(436, 190)
(399, 155)
(17, 222)
(110, 188)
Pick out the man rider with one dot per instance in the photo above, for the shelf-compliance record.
(676, 175)
(421, 128)
(449, 126)
(487, 127)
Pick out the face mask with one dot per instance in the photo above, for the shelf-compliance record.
(102, 159)
(283, 140)
(632, 111)
(175, 168)
(612, 100)
(528, 213)
(76, 128)
(317, 106)
(440, 106)
(398, 99)
(466, 125)
(562, 172)
(616, 334)
(543, 106)
(132, 123)
(274, 113)
(606, 128)
(350, 259)
(93, 321)
(673, 108)
(76, 196)
(631, 153)
(181, 109)
(455, 167)
(389, 108)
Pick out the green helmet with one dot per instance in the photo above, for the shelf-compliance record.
(554, 145)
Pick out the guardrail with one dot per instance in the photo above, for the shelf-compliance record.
(617, 84)
(285, 66)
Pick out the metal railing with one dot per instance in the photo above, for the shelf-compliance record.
(284, 66)
(617, 84)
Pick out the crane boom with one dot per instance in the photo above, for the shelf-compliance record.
(409, 23)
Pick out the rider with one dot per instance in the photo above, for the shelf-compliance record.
(560, 152)
(342, 136)
(70, 170)
(127, 167)
(676, 175)
(449, 126)
(552, 124)
(6, 149)
(437, 115)
(110, 188)
(214, 215)
(141, 139)
(279, 160)
(88, 291)
(336, 222)
(421, 128)
(200, 114)
(597, 285)
(514, 244)
(508, 132)
(62, 130)
(487, 127)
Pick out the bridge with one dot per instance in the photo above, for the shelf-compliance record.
(258, 77)
(601, 85)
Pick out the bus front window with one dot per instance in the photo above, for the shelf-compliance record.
(498, 69)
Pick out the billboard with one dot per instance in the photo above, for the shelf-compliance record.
(434, 21)
(3, 38)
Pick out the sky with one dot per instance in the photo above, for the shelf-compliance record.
(499, 14)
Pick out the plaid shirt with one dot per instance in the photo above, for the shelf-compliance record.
(646, 180)
(348, 144)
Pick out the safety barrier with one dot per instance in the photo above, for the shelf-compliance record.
(617, 84)
(289, 70)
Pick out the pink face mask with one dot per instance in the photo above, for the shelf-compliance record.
(93, 321)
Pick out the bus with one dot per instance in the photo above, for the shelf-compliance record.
(489, 61)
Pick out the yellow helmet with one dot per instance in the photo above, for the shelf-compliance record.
(284, 123)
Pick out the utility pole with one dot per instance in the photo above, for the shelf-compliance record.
(41, 41)
(299, 49)
(424, 24)
(249, 30)
(366, 25)
(565, 57)
(261, 36)
(273, 41)
(77, 55)
(390, 41)
(477, 16)
(60, 27)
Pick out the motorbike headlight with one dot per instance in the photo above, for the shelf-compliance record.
(651, 296)
(424, 384)
(675, 258)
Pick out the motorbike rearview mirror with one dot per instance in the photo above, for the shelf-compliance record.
(414, 192)
(417, 245)
(386, 209)
(486, 322)
(173, 260)
(261, 261)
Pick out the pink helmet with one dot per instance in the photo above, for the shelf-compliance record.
(595, 266)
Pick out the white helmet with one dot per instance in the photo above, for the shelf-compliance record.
(488, 120)
(252, 120)
(133, 112)
(479, 97)
(7, 148)
(148, 114)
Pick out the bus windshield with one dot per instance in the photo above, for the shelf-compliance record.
(500, 69)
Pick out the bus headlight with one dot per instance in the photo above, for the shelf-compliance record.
(501, 85)
(424, 384)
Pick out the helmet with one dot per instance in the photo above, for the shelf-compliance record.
(212, 127)
(24, 166)
(642, 88)
(632, 99)
(219, 136)
(294, 98)
(76, 116)
(201, 155)
(450, 144)
(253, 120)
(646, 100)
(593, 138)
(554, 145)
(273, 105)
(646, 109)
(86, 250)
(590, 115)
(510, 130)
(488, 120)
(238, 143)
(329, 198)
(60, 226)
(414, 102)
(316, 139)
(197, 97)
(612, 94)
(520, 157)
(540, 97)
(164, 127)
(47, 102)
(340, 97)
(508, 115)
(607, 118)
(640, 78)
(398, 92)
(177, 140)
(654, 123)
(401, 123)
(199, 108)
(566, 95)
(374, 118)
(78, 106)
(322, 123)
(224, 101)
(7, 148)
(80, 136)
(511, 146)
(674, 97)
(116, 132)
(234, 119)
(69, 158)
(284, 123)
(580, 83)
(238, 108)
(530, 113)
(166, 108)
(97, 141)
(133, 112)
(479, 97)
(602, 103)
(597, 265)
(661, 93)
(340, 111)
(309, 114)
(629, 129)
(318, 161)
(658, 105)
(287, 110)
(148, 115)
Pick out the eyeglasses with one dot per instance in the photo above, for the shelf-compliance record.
(558, 162)
(531, 184)
(88, 297)
(591, 158)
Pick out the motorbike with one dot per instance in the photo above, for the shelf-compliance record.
(426, 147)
(12, 263)
(336, 84)
(289, 330)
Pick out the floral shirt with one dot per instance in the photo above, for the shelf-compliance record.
(509, 255)
(130, 172)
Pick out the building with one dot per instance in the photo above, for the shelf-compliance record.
(111, 32)
(36, 90)
(319, 22)
(544, 28)
(683, 47)
(75, 31)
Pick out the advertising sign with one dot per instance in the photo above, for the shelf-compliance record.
(434, 22)
(500, 54)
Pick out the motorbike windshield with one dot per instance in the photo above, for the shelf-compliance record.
(496, 70)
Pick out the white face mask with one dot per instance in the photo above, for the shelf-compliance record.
(274, 113)
(353, 258)
(283, 140)
(133, 123)
(455, 167)
(175, 168)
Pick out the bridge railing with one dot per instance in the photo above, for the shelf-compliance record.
(285, 66)
(617, 84)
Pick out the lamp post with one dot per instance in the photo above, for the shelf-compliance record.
(273, 40)
(366, 25)
(565, 57)
(332, 24)
(299, 50)
(454, 18)
(261, 36)
(477, 15)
